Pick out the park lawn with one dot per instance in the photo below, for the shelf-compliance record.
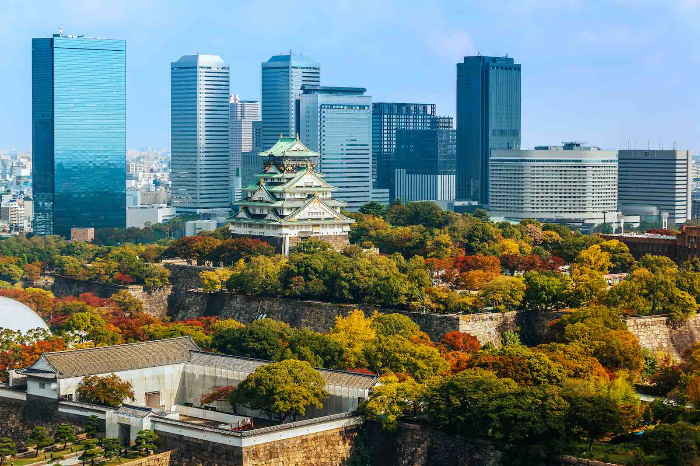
(37, 459)
(620, 453)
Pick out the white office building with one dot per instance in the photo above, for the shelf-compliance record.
(242, 114)
(199, 132)
(658, 178)
(152, 213)
(337, 123)
(572, 183)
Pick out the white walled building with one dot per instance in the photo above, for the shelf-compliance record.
(571, 183)
(154, 213)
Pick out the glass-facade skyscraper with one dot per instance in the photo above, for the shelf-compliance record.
(337, 123)
(199, 134)
(387, 118)
(426, 163)
(488, 117)
(242, 114)
(282, 78)
(78, 133)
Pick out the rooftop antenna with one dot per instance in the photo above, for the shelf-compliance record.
(60, 29)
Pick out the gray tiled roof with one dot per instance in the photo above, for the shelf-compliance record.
(248, 365)
(107, 359)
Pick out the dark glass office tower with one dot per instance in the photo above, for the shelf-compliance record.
(424, 169)
(78, 133)
(488, 117)
(387, 118)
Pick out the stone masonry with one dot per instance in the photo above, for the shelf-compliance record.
(181, 300)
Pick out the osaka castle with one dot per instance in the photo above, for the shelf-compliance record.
(289, 201)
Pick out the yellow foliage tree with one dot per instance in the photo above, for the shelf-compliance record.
(354, 332)
(215, 280)
(595, 258)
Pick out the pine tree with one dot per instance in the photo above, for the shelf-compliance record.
(39, 438)
(64, 434)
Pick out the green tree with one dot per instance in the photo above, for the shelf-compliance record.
(109, 390)
(146, 441)
(89, 456)
(215, 280)
(259, 276)
(263, 339)
(373, 208)
(7, 448)
(64, 433)
(395, 324)
(392, 400)
(398, 354)
(680, 442)
(111, 448)
(282, 390)
(39, 439)
(127, 302)
(92, 426)
(503, 293)
(546, 291)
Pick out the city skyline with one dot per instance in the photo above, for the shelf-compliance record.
(631, 48)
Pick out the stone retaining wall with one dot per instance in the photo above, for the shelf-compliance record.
(18, 418)
(657, 334)
(413, 445)
(181, 300)
(160, 459)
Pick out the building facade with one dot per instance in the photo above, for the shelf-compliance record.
(250, 160)
(139, 216)
(572, 183)
(78, 133)
(488, 117)
(658, 178)
(387, 118)
(291, 201)
(242, 114)
(337, 123)
(282, 79)
(426, 163)
(199, 133)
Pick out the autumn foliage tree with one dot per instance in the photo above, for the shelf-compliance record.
(109, 390)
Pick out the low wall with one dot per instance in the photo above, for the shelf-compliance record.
(160, 459)
(318, 442)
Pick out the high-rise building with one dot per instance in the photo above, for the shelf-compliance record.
(199, 134)
(282, 78)
(337, 122)
(488, 117)
(426, 162)
(387, 118)
(572, 183)
(242, 114)
(250, 160)
(78, 133)
(658, 178)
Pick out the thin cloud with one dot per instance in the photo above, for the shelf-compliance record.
(452, 46)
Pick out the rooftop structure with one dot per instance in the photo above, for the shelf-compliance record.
(290, 201)
(679, 248)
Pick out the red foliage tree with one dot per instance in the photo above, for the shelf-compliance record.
(458, 341)
(217, 394)
(124, 278)
(488, 264)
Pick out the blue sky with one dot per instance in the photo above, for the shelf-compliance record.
(607, 72)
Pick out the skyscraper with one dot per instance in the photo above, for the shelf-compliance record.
(337, 122)
(658, 178)
(242, 113)
(387, 118)
(488, 117)
(78, 133)
(250, 160)
(282, 78)
(425, 162)
(199, 133)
